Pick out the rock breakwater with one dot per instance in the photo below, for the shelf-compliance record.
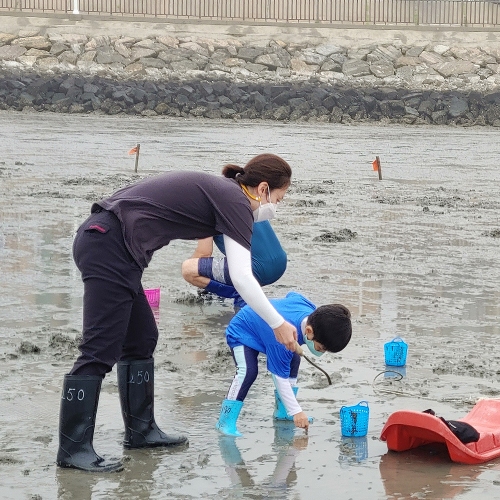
(270, 79)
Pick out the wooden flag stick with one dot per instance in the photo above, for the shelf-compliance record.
(138, 147)
(379, 168)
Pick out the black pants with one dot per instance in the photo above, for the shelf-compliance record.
(118, 323)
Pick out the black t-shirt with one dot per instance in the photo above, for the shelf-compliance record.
(179, 205)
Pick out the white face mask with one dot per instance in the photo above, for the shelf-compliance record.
(265, 211)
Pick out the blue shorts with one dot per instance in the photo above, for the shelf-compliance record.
(269, 260)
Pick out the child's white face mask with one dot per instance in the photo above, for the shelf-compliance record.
(265, 211)
(310, 345)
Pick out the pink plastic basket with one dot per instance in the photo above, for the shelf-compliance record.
(153, 296)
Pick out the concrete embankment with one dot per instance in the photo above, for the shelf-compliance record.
(286, 73)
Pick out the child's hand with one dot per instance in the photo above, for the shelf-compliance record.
(301, 420)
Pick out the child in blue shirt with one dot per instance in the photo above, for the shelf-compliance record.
(322, 329)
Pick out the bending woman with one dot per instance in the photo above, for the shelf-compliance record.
(113, 247)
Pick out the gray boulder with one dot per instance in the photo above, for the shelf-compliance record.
(457, 107)
(33, 42)
(11, 52)
(382, 68)
(356, 68)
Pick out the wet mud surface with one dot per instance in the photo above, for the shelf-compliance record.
(414, 255)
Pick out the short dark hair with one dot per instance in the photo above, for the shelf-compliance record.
(331, 326)
(262, 168)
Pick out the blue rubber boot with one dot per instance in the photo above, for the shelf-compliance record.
(279, 408)
(280, 411)
(229, 414)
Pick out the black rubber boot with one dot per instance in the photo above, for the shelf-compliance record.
(79, 400)
(136, 388)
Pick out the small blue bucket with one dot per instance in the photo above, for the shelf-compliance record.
(354, 419)
(395, 352)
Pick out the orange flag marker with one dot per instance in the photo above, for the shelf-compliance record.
(377, 167)
(133, 151)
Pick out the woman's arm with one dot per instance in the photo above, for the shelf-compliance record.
(204, 248)
(240, 269)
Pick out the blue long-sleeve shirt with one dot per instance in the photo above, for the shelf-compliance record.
(247, 328)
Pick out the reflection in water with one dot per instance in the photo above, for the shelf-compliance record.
(289, 447)
(137, 480)
(235, 466)
(395, 372)
(425, 472)
(284, 475)
(353, 450)
(156, 314)
(78, 485)
(138, 477)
